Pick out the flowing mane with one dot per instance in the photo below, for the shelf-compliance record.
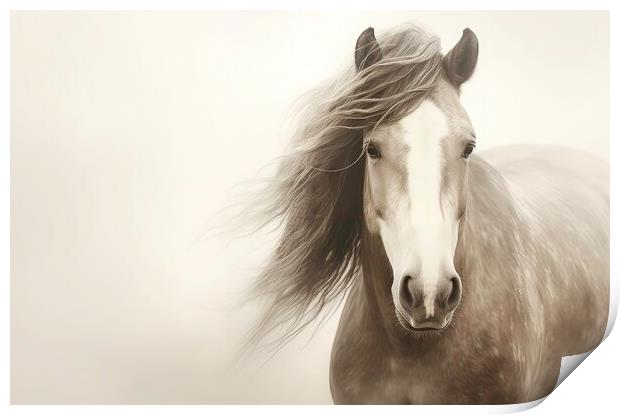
(316, 196)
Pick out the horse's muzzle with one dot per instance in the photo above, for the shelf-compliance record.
(420, 310)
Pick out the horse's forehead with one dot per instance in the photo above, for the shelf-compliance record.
(437, 118)
(425, 126)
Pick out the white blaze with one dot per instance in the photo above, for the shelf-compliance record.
(421, 237)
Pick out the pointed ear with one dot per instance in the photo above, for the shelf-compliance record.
(367, 50)
(460, 62)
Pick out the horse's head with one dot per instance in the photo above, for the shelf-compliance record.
(415, 185)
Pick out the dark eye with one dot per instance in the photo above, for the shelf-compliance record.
(468, 150)
(373, 151)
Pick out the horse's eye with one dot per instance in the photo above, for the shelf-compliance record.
(468, 150)
(373, 151)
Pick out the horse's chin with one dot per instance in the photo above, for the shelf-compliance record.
(404, 322)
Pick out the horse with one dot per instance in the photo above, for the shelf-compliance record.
(467, 275)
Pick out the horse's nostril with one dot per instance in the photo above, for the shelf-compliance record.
(411, 293)
(455, 293)
(406, 292)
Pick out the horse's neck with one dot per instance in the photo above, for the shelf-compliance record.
(484, 252)
(377, 279)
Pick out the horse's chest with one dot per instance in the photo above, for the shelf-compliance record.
(386, 381)
(452, 379)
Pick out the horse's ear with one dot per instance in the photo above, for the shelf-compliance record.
(367, 50)
(460, 62)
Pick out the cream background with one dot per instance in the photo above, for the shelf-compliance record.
(130, 130)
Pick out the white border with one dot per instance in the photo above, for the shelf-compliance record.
(452, 5)
(594, 392)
